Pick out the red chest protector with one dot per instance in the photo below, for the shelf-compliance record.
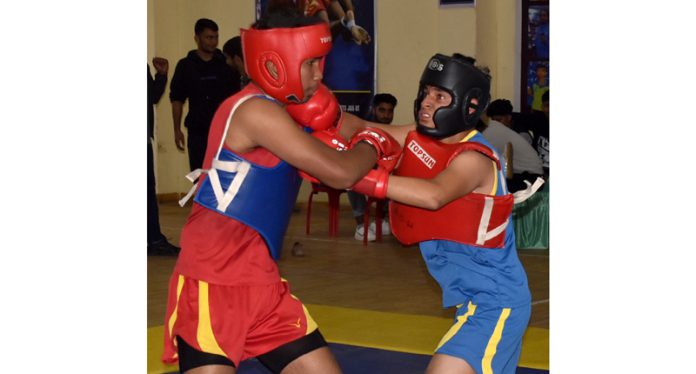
(475, 218)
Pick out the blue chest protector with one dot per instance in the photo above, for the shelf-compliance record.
(257, 196)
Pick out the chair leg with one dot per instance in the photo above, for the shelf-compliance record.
(333, 213)
(309, 211)
(366, 222)
(379, 206)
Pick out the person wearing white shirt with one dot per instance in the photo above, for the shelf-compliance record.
(526, 164)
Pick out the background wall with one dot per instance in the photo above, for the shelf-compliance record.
(408, 33)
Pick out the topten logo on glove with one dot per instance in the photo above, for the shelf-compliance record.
(325, 39)
(421, 154)
(435, 64)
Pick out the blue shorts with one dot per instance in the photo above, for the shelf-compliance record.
(489, 338)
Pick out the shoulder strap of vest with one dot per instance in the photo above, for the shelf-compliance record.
(478, 147)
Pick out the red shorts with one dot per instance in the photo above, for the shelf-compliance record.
(238, 322)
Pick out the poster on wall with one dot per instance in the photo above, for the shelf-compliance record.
(457, 2)
(349, 70)
(535, 59)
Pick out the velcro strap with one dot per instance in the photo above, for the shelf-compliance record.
(191, 177)
(483, 234)
(525, 194)
(242, 169)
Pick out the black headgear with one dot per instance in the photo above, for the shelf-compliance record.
(464, 82)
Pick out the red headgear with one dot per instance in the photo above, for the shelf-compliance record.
(286, 48)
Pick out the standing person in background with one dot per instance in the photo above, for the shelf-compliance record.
(205, 80)
(382, 111)
(157, 243)
(235, 59)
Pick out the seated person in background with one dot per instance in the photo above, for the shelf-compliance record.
(526, 164)
(382, 111)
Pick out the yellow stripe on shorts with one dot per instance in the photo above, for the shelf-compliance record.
(311, 324)
(492, 346)
(461, 320)
(204, 334)
(172, 318)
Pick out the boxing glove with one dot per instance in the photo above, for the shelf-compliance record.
(374, 183)
(388, 149)
(320, 112)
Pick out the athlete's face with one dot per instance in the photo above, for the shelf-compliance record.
(433, 99)
(311, 74)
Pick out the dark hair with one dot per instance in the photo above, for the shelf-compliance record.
(204, 23)
(384, 98)
(464, 58)
(233, 47)
(545, 97)
(284, 16)
(470, 60)
(500, 107)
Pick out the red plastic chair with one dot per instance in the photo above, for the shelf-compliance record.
(379, 208)
(334, 205)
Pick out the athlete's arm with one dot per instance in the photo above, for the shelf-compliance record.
(468, 172)
(259, 122)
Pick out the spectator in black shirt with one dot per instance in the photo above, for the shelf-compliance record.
(205, 80)
(157, 243)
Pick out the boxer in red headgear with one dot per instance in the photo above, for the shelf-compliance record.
(227, 301)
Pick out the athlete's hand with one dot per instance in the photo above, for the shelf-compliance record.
(388, 149)
(320, 112)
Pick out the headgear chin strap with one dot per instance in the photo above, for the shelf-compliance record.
(286, 48)
(464, 82)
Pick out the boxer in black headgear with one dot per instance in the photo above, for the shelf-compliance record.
(469, 88)
(448, 194)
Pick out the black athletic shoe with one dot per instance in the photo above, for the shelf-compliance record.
(162, 248)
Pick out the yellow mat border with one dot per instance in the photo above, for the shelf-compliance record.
(382, 330)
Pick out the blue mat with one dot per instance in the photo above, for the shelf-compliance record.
(354, 360)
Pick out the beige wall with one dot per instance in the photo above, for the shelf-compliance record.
(408, 33)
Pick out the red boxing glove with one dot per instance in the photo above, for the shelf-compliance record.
(331, 138)
(374, 183)
(388, 149)
(320, 112)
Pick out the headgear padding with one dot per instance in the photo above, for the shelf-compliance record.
(286, 48)
(464, 82)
